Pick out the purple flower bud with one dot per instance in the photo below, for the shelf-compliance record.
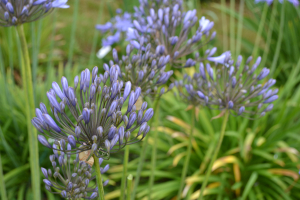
(94, 73)
(64, 83)
(104, 169)
(200, 94)
(86, 114)
(230, 104)
(44, 171)
(57, 90)
(271, 99)
(263, 74)
(64, 194)
(47, 182)
(202, 71)
(148, 115)
(93, 195)
(72, 141)
(111, 133)
(114, 141)
(71, 95)
(131, 101)
(127, 90)
(135, 44)
(48, 119)
(10, 7)
(92, 91)
(241, 110)
(132, 119)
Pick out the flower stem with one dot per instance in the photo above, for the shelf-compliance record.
(153, 156)
(260, 29)
(29, 98)
(143, 153)
(222, 133)
(99, 178)
(129, 186)
(279, 41)
(125, 162)
(188, 156)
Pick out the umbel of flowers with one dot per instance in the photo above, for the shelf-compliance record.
(230, 86)
(14, 12)
(143, 68)
(98, 113)
(171, 28)
(70, 178)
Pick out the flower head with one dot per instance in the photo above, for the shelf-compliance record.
(171, 27)
(102, 117)
(120, 23)
(230, 87)
(143, 68)
(71, 178)
(13, 12)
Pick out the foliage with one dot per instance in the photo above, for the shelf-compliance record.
(259, 159)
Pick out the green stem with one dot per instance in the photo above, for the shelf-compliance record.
(188, 156)
(129, 186)
(143, 154)
(99, 178)
(260, 29)
(240, 28)
(224, 27)
(222, 133)
(269, 34)
(279, 41)
(29, 97)
(232, 28)
(125, 163)
(2, 185)
(153, 156)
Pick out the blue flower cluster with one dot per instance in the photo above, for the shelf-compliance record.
(14, 12)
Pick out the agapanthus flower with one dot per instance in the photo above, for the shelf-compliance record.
(98, 118)
(14, 12)
(116, 26)
(71, 178)
(170, 27)
(294, 2)
(230, 87)
(143, 69)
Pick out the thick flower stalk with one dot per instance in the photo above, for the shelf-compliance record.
(71, 178)
(116, 26)
(14, 12)
(230, 87)
(143, 69)
(171, 28)
(99, 118)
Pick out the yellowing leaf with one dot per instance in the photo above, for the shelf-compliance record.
(237, 177)
(223, 161)
(285, 172)
(177, 146)
(179, 122)
(177, 158)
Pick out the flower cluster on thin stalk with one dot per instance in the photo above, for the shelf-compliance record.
(230, 86)
(116, 26)
(14, 12)
(170, 28)
(71, 177)
(99, 118)
(143, 69)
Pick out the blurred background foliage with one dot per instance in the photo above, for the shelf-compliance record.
(259, 159)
